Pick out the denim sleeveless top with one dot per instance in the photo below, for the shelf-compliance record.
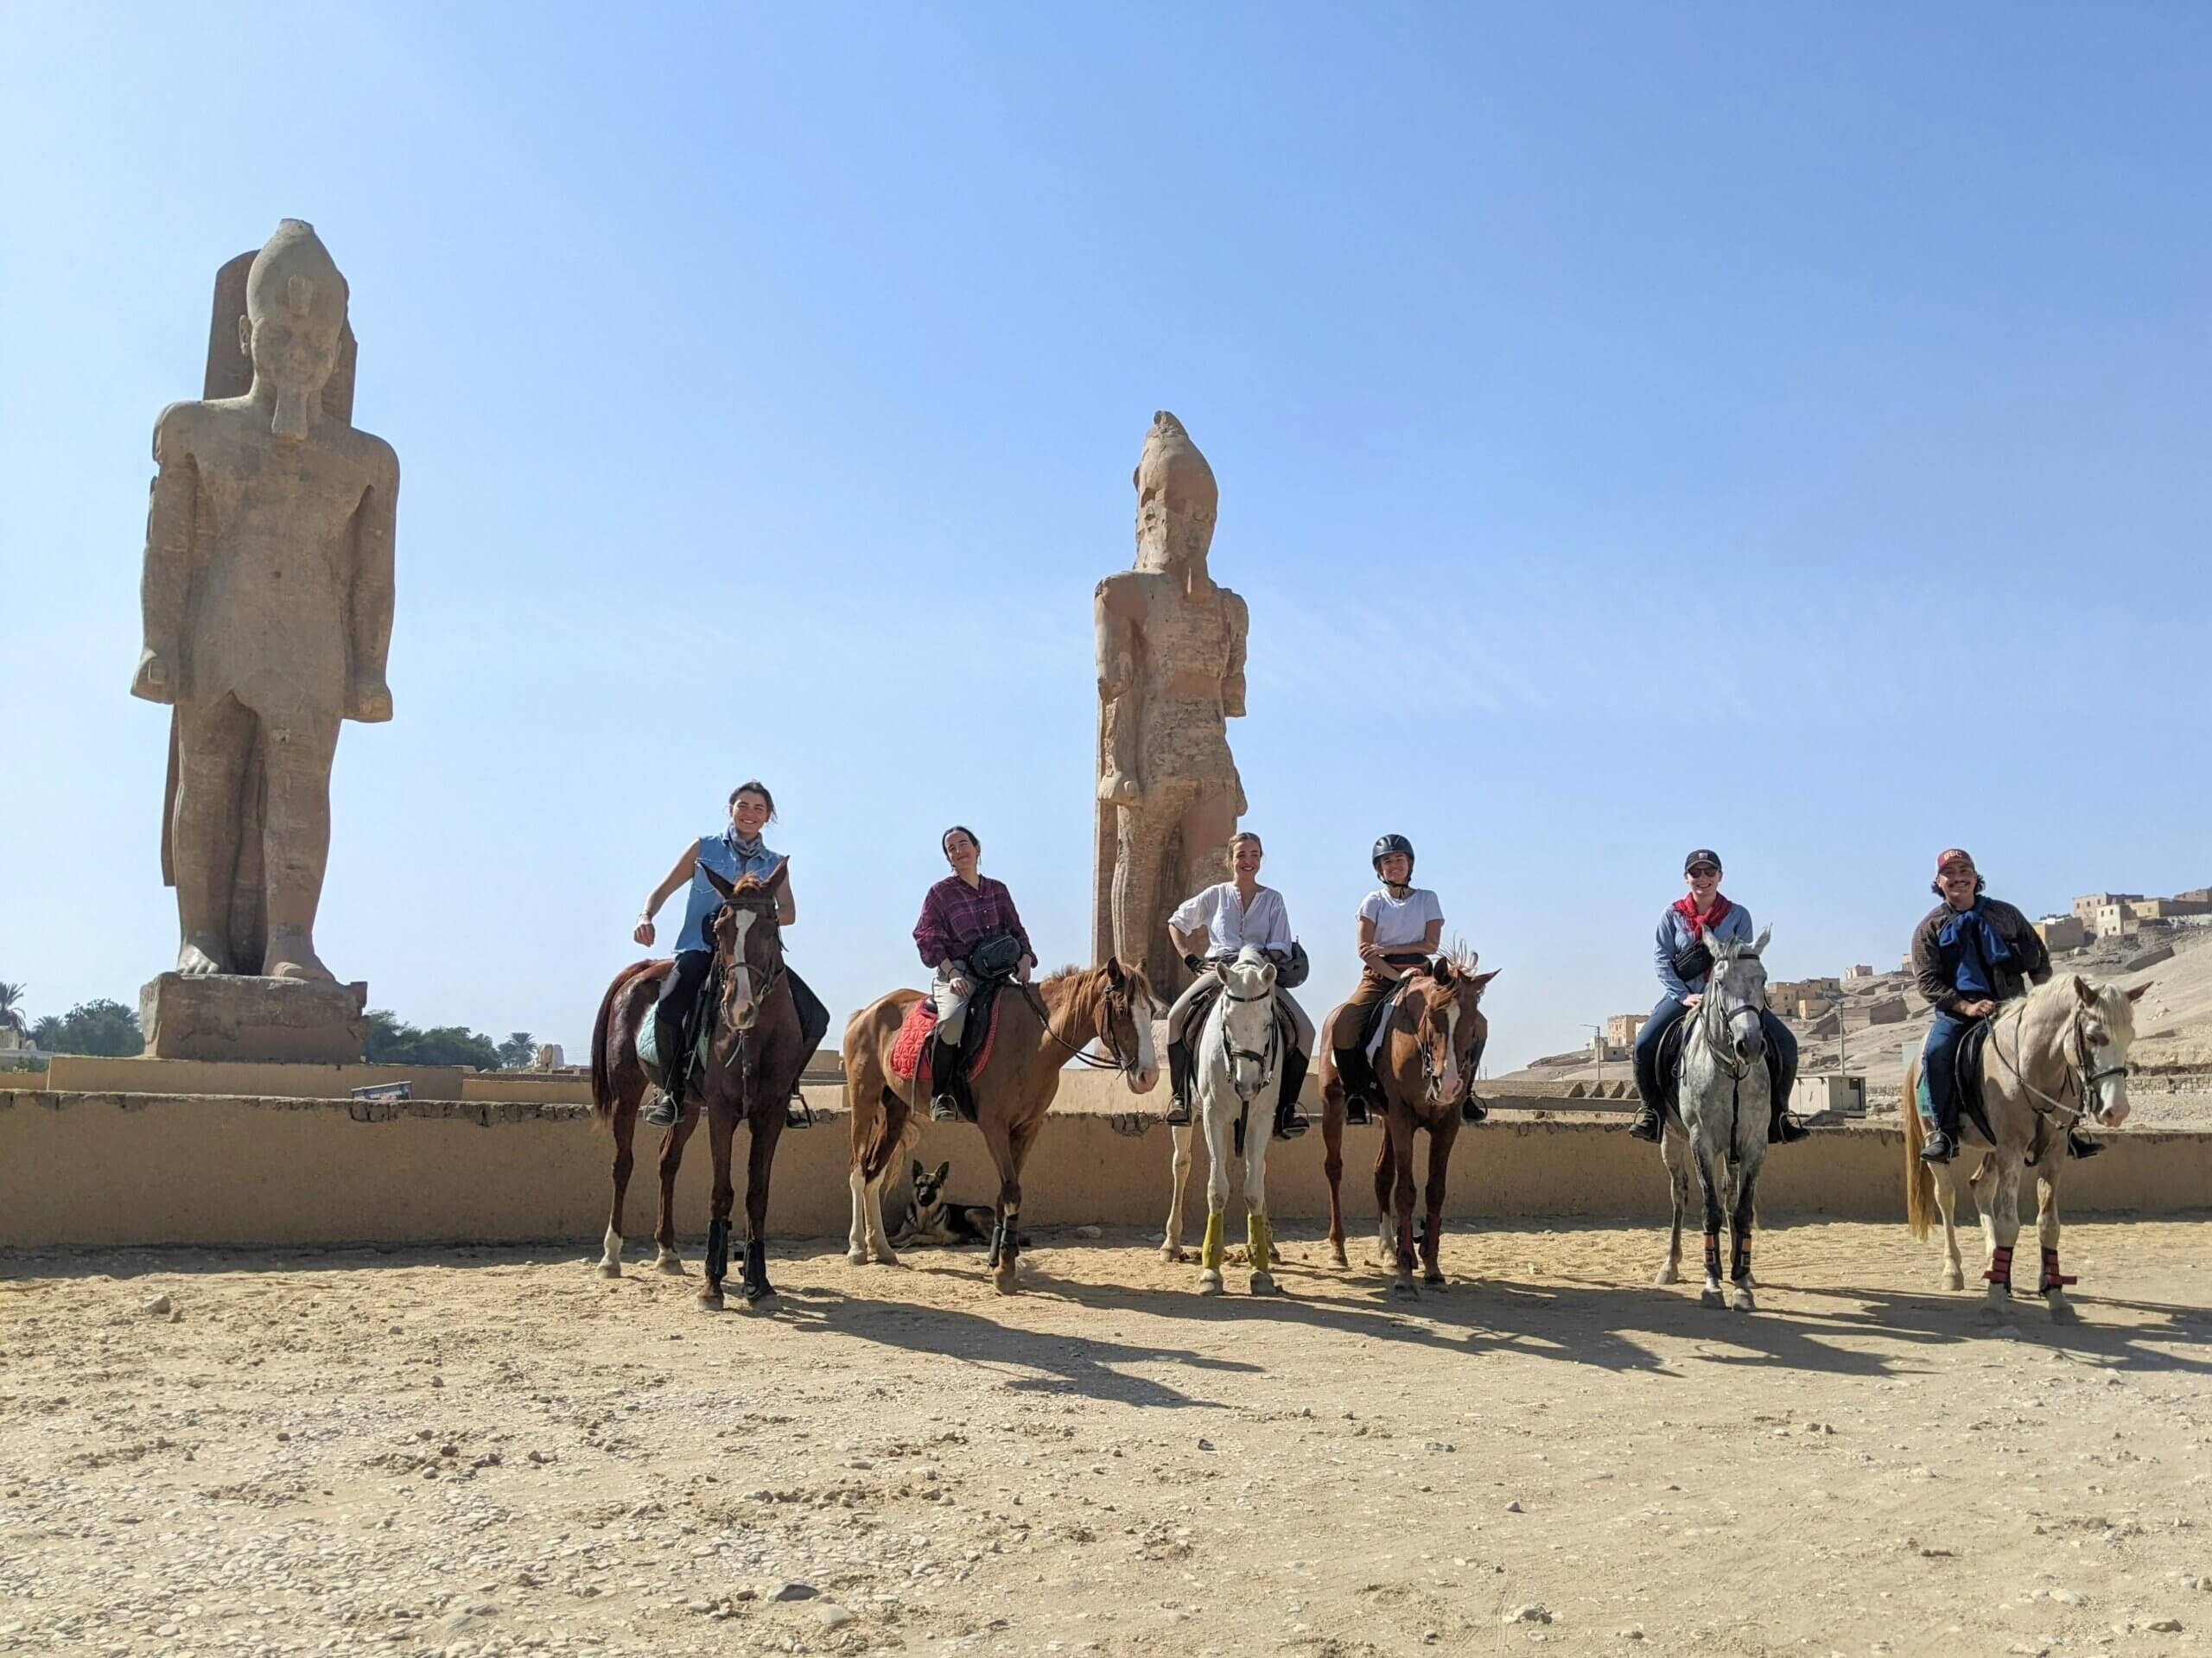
(719, 853)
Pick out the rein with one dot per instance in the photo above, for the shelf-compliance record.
(1709, 1015)
(1265, 1060)
(2080, 1082)
(1081, 1053)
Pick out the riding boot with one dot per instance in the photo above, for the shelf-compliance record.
(1647, 1125)
(1781, 1129)
(944, 1081)
(2080, 1144)
(1179, 1084)
(1358, 1082)
(1941, 1148)
(667, 1104)
(1289, 1122)
(1472, 1110)
(798, 1114)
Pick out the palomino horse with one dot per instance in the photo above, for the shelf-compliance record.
(1038, 1030)
(2052, 1057)
(1723, 1093)
(1431, 1049)
(752, 1063)
(1239, 1067)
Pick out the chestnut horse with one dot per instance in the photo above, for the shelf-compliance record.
(1038, 1030)
(2054, 1056)
(1431, 1049)
(752, 1063)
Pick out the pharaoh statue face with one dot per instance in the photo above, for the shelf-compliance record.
(1177, 499)
(294, 320)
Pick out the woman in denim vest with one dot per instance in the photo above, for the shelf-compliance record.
(733, 854)
(1700, 914)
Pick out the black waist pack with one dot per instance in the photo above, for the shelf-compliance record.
(996, 957)
(1693, 961)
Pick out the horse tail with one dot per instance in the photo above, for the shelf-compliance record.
(602, 1053)
(1919, 1179)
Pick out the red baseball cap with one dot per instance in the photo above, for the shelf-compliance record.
(1950, 855)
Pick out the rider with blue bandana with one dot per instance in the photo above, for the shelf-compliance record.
(1700, 914)
(1970, 955)
(733, 854)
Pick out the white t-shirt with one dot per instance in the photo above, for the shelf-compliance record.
(1400, 923)
(1229, 927)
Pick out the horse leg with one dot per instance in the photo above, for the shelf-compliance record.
(1402, 1202)
(672, 1160)
(2051, 1282)
(624, 1126)
(2000, 1222)
(856, 1235)
(1739, 1233)
(1386, 1184)
(1707, 1178)
(896, 1144)
(1439, 1159)
(1259, 1237)
(1214, 1249)
(766, 1126)
(1946, 1199)
(1674, 1156)
(1005, 1235)
(720, 1131)
(1179, 1176)
(1333, 1165)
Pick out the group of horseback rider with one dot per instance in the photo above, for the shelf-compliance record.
(1969, 953)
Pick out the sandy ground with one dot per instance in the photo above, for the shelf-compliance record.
(472, 1453)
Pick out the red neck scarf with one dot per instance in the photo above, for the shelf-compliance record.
(1686, 908)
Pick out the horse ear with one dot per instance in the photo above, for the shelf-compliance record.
(775, 883)
(2086, 991)
(1114, 974)
(1441, 970)
(1481, 981)
(1758, 944)
(714, 880)
(2136, 995)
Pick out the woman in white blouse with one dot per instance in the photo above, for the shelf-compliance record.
(1209, 928)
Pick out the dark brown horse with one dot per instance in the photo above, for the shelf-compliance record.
(751, 1065)
(1427, 1066)
(1112, 1005)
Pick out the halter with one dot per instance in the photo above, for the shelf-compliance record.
(1105, 1038)
(1265, 1060)
(1432, 1076)
(2082, 1081)
(1709, 1013)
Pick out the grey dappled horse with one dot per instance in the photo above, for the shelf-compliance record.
(1722, 1097)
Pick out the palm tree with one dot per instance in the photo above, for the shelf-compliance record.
(11, 1007)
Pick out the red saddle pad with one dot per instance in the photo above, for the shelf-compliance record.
(910, 1053)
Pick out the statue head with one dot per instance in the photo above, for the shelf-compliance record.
(1176, 500)
(295, 319)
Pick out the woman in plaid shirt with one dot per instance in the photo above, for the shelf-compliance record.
(961, 911)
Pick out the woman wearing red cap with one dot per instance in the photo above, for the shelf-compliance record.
(1969, 953)
(1700, 914)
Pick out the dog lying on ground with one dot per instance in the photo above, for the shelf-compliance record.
(929, 1219)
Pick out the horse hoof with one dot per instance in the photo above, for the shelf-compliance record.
(1711, 1297)
(2061, 1312)
(671, 1264)
(856, 1257)
(765, 1300)
(1668, 1275)
(1209, 1283)
(1005, 1280)
(1404, 1290)
(1955, 1279)
(1172, 1253)
(610, 1269)
(1741, 1301)
(1990, 1313)
(888, 1258)
(1337, 1255)
(1262, 1284)
(710, 1300)
(1432, 1275)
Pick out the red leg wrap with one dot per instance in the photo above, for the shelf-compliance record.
(2000, 1269)
(2052, 1278)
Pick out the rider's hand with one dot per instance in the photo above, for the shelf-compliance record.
(1690, 1001)
(961, 987)
(1029, 966)
(1979, 1009)
(1372, 954)
(643, 933)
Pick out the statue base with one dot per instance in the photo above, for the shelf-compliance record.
(233, 1016)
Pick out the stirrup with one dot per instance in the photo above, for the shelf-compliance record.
(1940, 1148)
(944, 1108)
(1290, 1123)
(1786, 1130)
(798, 1114)
(2080, 1144)
(1648, 1126)
(1179, 1112)
(1472, 1110)
(1355, 1107)
(663, 1112)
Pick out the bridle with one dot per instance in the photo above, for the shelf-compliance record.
(2083, 1076)
(1108, 1002)
(1432, 1074)
(1266, 1059)
(1713, 1024)
(768, 987)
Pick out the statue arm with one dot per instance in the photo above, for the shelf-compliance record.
(368, 698)
(164, 586)
(1115, 645)
(1232, 681)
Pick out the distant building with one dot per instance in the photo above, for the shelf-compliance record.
(2117, 920)
(1788, 994)
(2195, 895)
(2060, 932)
(2086, 906)
(2168, 909)
(1851, 974)
(1621, 1029)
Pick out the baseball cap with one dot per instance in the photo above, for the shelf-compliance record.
(1703, 854)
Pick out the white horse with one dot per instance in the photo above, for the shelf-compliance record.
(1238, 1067)
(1723, 1095)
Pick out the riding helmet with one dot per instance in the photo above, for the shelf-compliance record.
(1388, 844)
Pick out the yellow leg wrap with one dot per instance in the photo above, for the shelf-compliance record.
(1257, 1237)
(1211, 1251)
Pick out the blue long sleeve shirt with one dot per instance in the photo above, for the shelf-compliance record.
(1674, 935)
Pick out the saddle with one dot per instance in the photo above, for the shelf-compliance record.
(1670, 1068)
(913, 1053)
(1966, 1084)
(1376, 1021)
(696, 1023)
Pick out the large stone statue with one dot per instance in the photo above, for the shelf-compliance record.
(1170, 672)
(267, 599)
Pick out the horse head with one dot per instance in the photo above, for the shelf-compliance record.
(2104, 1026)
(1736, 993)
(1449, 1025)
(1126, 1010)
(1247, 1022)
(748, 942)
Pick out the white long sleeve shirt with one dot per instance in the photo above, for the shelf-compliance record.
(1230, 925)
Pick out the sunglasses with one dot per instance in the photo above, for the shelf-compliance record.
(1703, 869)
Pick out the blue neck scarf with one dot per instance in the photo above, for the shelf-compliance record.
(1981, 949)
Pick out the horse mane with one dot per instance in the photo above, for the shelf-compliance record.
(1073, 971)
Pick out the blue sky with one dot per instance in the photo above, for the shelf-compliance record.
(1784, 429)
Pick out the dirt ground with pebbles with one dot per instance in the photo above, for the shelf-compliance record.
(480, 1451)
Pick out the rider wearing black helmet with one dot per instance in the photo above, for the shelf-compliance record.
(1401, 928)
